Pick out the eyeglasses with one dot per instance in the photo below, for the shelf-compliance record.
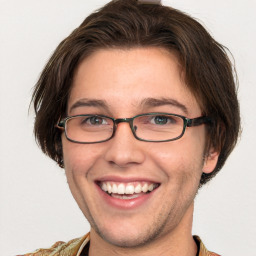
(150, 127)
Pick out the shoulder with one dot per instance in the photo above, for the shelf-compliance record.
(71, 248)
(202, 249)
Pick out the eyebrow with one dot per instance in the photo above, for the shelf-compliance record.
(148, 102)
(89, 103)
(153, 102)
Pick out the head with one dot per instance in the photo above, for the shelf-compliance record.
(128, 26)
(206, 68)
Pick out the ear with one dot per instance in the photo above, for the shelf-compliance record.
(210, 161)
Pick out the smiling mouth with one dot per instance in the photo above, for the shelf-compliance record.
(129, 190)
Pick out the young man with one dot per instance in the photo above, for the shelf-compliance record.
(139, 106)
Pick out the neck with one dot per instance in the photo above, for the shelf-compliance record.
(177, 242)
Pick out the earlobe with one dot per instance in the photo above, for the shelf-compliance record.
(210, 161)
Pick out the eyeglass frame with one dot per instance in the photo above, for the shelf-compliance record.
(187, 122)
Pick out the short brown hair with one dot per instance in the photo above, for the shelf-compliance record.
(208, 71)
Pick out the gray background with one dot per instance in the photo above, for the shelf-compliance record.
(36, 207)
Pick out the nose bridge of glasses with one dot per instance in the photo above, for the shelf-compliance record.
(123, 120)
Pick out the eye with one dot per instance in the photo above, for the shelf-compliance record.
(94, 120)
(162, 120)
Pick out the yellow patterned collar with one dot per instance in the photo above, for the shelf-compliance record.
(76, 246)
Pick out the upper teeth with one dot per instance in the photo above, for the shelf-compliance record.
(128, 188)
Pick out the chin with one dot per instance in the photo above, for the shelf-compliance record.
(128, 235)
(126, 240)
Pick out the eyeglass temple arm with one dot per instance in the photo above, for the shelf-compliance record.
(60, 124)
(199, 121)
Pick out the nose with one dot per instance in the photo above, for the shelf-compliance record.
(123, 149)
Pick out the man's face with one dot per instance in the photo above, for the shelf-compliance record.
(120, 84)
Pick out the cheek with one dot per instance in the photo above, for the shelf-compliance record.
(181, 157)
(79, 158)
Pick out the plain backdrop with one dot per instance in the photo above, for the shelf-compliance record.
(36, 207)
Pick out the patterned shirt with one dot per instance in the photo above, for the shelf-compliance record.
(80, 247)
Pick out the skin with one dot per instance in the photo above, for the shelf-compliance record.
(123, 79)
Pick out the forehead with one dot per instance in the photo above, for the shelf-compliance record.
(125, 78)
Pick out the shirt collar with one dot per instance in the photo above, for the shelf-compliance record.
(202, 249)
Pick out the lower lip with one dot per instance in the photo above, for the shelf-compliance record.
(125, 204)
